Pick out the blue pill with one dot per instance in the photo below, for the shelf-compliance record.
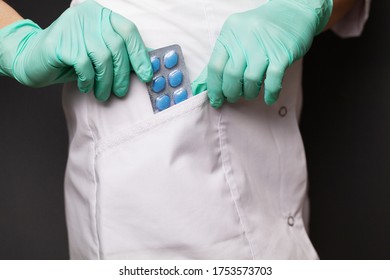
(163, 102)
(171, 59)
(158, 84)
(155, 63)
(180, 95)
(175, 78)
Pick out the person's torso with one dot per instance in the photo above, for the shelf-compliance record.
(191, 181)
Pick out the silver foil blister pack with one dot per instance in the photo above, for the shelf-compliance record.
(170, 84)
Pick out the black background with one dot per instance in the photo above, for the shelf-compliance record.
(345, 126)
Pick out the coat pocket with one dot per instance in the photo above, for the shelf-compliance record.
(161, 189)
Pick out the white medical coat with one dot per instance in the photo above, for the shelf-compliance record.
(190, 182)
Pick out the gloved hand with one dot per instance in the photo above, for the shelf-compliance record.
(261, 43)
(88, 43)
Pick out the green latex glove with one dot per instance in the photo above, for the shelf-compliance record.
(261, 43)
(87, 43)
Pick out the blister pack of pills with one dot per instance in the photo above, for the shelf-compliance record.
(170, 84)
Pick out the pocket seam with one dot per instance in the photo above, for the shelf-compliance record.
(231, 183)
(94, 214)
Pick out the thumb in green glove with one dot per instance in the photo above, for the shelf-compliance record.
(260, 44)
(87, 43)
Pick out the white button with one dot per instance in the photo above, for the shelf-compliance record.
(290, 221)
(283, 111)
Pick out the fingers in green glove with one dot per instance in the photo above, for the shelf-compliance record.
(120, 60)
(254, 73)
(119, 48)
(85, 72)
(136, 50)
(101, 59)
(266, 39)
(273, 82)
(233, 73)
(87, 42)
(232, 78)
(200, 83)
(215, 70)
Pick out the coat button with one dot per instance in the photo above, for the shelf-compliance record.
(283, 111)
(290, 221)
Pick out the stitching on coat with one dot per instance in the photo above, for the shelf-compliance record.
(95, 184)
(228, 171)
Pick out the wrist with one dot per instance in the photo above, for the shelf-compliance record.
(13, 40)
(323, 10)
(7, 14)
